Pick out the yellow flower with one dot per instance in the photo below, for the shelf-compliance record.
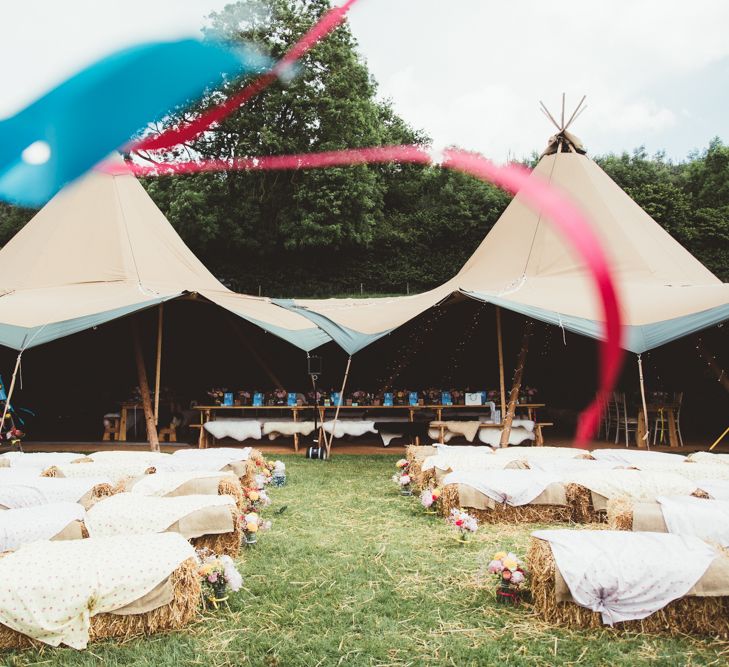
(435, 493)
(206, 569)
(252, 527)
(510, 564)
(253, 495)
(499, 555)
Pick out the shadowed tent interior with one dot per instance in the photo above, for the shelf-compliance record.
(70, 383)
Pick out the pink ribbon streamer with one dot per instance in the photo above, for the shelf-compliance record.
(188, 131)
(556, 207)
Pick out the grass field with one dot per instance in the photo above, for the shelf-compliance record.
(354, 574)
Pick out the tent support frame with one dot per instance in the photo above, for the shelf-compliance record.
(646, 438)
(152, 436)
(516, 386)
(330, 441)
(500, 345)
(158, 368)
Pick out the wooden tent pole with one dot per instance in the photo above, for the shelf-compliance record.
(500, 345)
(516, 386)
(158, 369)
(336, 412)
(646, 437)
(144, 389)
(11, 388)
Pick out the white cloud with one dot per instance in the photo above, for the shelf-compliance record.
(466, 71)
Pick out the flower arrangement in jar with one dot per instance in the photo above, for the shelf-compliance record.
(464, 523)
(429, 500)
(219, 574)
(402, 477)
(510, 571)
(251, 525)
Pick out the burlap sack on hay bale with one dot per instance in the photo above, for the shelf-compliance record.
(589, 507)
(703, 613)
(88, 499)
(186, 592)
(226, 485)
(549, 507)
(227, 544)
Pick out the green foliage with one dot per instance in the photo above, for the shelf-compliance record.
(354, 574)
(318, 233)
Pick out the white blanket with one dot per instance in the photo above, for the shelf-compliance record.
(39, 460)
(717, 489)
(229, 454)
(164, 483)
(238, 429)
(634, 484)
(565, 466)
(116, 471)
(127, 457)
(185, 464)
(287, 427)
(706, 519)
(30, 524)
(353, 427)
(694, 471)
(541, 453)
(517, 435)
(45, 490)
(631, 456)
(465, 461)
(134, 514)
(51, 589)
(709, 457)
(627, 576)
(513, 487)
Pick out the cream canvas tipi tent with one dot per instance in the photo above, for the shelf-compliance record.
(101, 250)
(523, 265)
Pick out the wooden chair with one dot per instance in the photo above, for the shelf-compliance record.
(170, 433)
(609, 417)
(112, 426)
(628, 424)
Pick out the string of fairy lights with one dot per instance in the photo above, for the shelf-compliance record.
(422, 331)
(457, 354)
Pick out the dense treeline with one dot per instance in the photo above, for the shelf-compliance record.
(383, 227)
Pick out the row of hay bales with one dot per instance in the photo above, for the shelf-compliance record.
(233, 478)
(697, 613)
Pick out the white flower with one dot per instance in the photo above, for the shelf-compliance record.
(279, 466)
(517, 577)
(404, 480)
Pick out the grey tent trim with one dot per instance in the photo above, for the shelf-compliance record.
(349, 340)
(23, 338)
(304, 339)
(636, 339)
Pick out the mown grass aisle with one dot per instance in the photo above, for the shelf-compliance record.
(354, 574)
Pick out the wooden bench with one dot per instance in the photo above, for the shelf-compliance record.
(538, 434)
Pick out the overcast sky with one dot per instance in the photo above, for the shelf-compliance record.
(468, 72)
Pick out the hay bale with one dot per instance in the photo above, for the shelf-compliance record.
(228, 487)
(83, 459)
(449, 499)
(502, 513)
(620, 514)
(248, 479)
(686, 616)
(579, 500)
(173, 616)
(227, 544)
(53, 471)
